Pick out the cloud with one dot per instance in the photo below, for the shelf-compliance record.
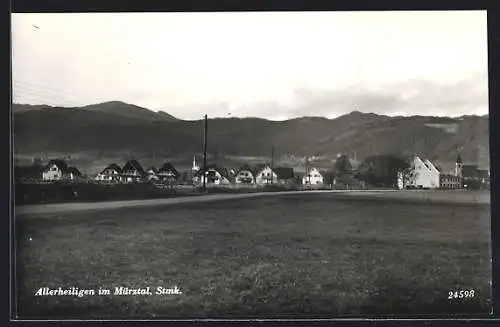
(271, 65)
(424, 97)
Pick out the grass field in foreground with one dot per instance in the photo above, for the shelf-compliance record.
(290, 255)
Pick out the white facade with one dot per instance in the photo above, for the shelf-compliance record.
(217, 178)
(435, 174)
(244, 176)
(312, 177)
(425, 175)
(131, 176)
(266, 176)
(53, 173)
(109, 175)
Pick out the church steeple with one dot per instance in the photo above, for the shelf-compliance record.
(195, 167)
(458, 166)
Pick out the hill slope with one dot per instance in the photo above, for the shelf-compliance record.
(90, 129)
(113, 107)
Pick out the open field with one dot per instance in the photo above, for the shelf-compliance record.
(448, 197)
(295, 255)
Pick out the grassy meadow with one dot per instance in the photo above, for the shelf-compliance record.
(315, 255)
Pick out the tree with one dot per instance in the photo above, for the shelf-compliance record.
(407, 173)
(382, 170)
(342, 166)
(328, 177)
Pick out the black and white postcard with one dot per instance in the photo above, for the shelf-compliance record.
(251, 165)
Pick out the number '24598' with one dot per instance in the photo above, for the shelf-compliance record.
(460, 294)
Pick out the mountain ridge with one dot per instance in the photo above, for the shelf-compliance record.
(112, 106)
(57, 129)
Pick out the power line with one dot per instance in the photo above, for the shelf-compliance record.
(23, 92)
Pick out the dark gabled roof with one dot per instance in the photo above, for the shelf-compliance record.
(247, 168)
(61, 164)
(438, 167)
(260, 167)
(459, 159)
(284, 172)
(200, 171)
(113, 166)
(168, 167)
(222, 171)
(470, 171)
(133, 164)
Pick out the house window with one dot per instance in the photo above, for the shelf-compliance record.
(53, 169)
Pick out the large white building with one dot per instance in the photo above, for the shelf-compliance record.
(425, 174)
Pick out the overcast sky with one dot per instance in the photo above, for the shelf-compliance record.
(271, 65)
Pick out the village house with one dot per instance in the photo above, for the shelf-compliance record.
(59, 170)
(213, 176)
(133, 172)
(280, 176)
(111, 173)
(425, 174)
(473, 177)
(245, 175)
(312, 177)
(450, 181)
(167, 173)
(266, 176)
(151, 174)
(285, 175)
(484, 176)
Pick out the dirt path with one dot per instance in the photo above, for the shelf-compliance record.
(455, 197)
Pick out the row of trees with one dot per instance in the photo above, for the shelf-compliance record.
(376, 170)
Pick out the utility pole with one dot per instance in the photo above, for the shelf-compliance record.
(308, 170)
(272, 163)
(205, 154)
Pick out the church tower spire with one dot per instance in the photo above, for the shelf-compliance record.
(195, 167)
(458, 166)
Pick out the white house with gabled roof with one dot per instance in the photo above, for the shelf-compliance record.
(265, 176)
(424, 175)
(312, 177)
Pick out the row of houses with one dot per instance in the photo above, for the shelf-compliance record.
(54, 170)
(423, 174)
(427, 174)
(133, 171)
